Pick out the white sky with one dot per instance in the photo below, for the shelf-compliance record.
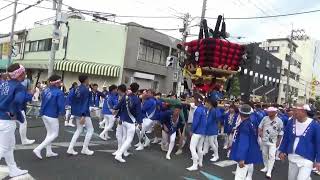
(252, 30)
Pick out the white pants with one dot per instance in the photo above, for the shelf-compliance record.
(128, 130)
(52, 126)
(109, 123)
(164, 139)
(68, 114)
(23, 129)
(121, 135)
(298, 173)
(89, 127)
(269, 155)
(244, 173)
(7, 142)
(95, 111)
(172, 139)
(211, 141)
(146, 126)
(196, 148)
(228, 140)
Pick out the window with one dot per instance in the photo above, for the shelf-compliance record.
(278, 69)
(274, 49)
(258, 59)
(267, 64)
(45, 45)
(292, 75)
(298, 78)
(153, 52)
(33, 46)
(27, 48)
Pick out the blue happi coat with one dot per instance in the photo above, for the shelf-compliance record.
(309, 143)
(53, 102)
(12, 98)
(79, 101)
(245, 145)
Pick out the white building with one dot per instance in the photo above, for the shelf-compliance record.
(281, 49)
(310, 51)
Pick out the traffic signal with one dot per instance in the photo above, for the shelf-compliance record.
(170, 61)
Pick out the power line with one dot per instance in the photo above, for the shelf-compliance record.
(26, 8)
(270, 16)
(37, 6)
(6, 5)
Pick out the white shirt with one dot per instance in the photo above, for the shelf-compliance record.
(295, 158)
(271, 129)
(300, 128)
(193, 107)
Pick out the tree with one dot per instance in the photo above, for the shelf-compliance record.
(235, 86)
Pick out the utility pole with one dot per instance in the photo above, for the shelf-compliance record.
(289, 67)
(296, 34)
(204, 8)
(14, 17)
(185, 33)
(55, 36)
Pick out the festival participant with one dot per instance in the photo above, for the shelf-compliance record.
(301, 143)
(69, 118)
(149, 108)
(198, 133)
(52, 106)
(229, 123)
(290, 114)
(130, 114)
(24, 126)
(120, 133)
(181, 130)
(212, 129)
(157, 125)
(111, 100)
(12, 98)
(223, 110)
(80, 97)
(169, 119)
(245, 148)
(95, 97)
(271, 132)
(284, 117)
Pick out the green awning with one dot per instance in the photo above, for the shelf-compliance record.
(88, 68)
(75, 66)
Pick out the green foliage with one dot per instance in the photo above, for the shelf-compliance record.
(235, 86)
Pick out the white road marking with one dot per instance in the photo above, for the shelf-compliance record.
(4, 172)
(108, 150)
(225, 163)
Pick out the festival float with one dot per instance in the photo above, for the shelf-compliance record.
(211, 60)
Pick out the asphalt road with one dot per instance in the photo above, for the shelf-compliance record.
(149, 164)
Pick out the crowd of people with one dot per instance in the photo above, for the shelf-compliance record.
(252, 133)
